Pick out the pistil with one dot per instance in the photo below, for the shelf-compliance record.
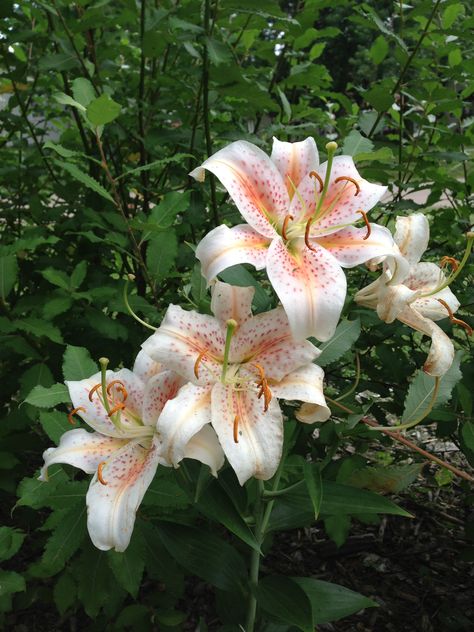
(331, 149)
(231, 327)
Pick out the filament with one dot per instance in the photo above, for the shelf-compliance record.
(306, 235)
(120, 387)
(236, 429)
(317, 177)
(453, 319)
(73, 412)
(197, 363)
(93, 390)
(287, 219)
(454, 263)
(367, 224)
(349, 179)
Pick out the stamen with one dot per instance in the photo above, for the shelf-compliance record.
(287, 219)
(316, 176)
(267, 396)
(73, 412)
(93, 390)
(367, 224)
(236, 429)
(115, 409)
(100, 467)
(197, 363)
(263, 386)
(454, 263)
(120, 387)
(349, 179)
(306, 235)
(453, 319)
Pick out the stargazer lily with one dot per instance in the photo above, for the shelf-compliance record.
(122, 408)
(300, 226)
(236, 366)
(421, 296)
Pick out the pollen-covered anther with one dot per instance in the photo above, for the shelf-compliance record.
(316, 176)
(73, 412)
(119, 386)
(93, 390)
(367, 224)
(115, 409)
(100, 476)
(287, 219)
(449, 261)
(349, 179)
(235, 429)
(306, 235)
(197, 363)
(264, 389)
(453, 319)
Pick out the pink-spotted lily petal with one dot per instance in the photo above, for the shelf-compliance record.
(205, 447)
(305, 385)
(267, 339)
(311, 286)
(294, 161)
(181, 419)
(340, 205)
(230, 301)
(253, 182)
(392, 300)
(185, 336)
(425, 277)
(224, 247)
(113, 503)
(441, 352)
(259, 434)
(350, 248)
(158, 390)
(92, 409)
(145, 368)
(81, 449)
(412, 234)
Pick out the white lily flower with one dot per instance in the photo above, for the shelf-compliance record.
(122, 408)
(419, 297)
(236, 365)
(300, 227)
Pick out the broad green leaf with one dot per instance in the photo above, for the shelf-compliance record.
(153, 44)
(102, 110)
(8, 275)
(59, 149)
(467, 432)
(314, 484)
(94, 579)
(344, 337)
(205, 555)
(165, 493)
(40, 328)
(355, 143)
(384, 154)
(38, 374)
(393, 478)
(421, 391)
(66, 538)
(165, 212)
(331, 602)
(161, 253)
(54, 423)
(78, 274)
(56, 277)
(77, 363)
(379, 49)
(65, 99)
(48, 397)
(10, 542)
(337, 527)
(85, 179)
(451, 13)
(219, 53)
(83, 91)
(128, 566)
(455, 57)
(240, 276)
(11, 582)
(35, 494)
(57, 305)
(283, 599)
(64, 593)
(379, 97)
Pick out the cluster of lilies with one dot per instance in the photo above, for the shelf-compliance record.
(208, 387)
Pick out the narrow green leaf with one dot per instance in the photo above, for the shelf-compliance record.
(337, 527)
(10, 542)
(312, 476)
(156, 164)
(86, 180)
(379, 49)
(347, 332)
(78, 274)
(65, 99)
(56, 277)
(284, 600)
(59, 149)
(8, 275)
(392, 478)
(172, 203)
(77, 364)
(48, 397)
(39, 328)
(64, 593)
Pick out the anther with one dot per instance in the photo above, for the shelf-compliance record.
(453, 319)
(287, 219)
(197, 363)
(367, 224)
(115, 409)
(93, 390)
(100, 467)
(349, 179)
(451, 261)
(236, 429)
(306, 235)
(119, 386)
(73, 412)
(316, 176)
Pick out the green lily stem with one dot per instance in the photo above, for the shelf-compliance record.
(129, 308)
(262, 519)
(231, 327)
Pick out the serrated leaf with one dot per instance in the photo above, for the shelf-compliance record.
(56, 277)
(165, 212)
(11, 582)
(48, 397)
(219, 53)
(355, 143)
(40, 328)
(102, 110)
(64, 593)
(86, 180)
(8, 275)
(128, 566)
(54, 424)
(34, 493)
(161, 253)
(56, 306)
(156, 164)
(10, 542)
(77, 363)
(94, 579)
(66, 538)
(421, 391)
(78, 274)
(347, 332)
(59, 149)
